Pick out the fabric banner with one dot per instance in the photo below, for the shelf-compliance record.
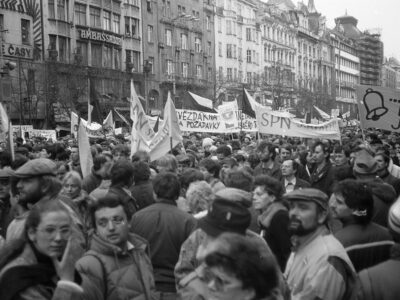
(270, 122)
(197, 121)
(85, 154)
(94, 130)
(379, 107)
(47, 134)
(228, 116)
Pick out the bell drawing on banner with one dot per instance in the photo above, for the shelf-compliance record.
(373, 102)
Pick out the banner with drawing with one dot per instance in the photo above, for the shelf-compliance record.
(271, 122)
(197, 121)
(379, 107)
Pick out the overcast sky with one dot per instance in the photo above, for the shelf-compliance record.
(384, 14)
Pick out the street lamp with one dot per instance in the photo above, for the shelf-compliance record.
(147, 66)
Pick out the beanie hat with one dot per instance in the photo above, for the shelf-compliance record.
(365, 164)
(394, 220)
(207, 142)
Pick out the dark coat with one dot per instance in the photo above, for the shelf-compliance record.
(165, 227)
(366, 245)
(323, 180)
(300, 184)
(381, 282)
(274, 172)
(393, 181)
(124, 196)
(91, 182)
(143, 193)
(384, 195)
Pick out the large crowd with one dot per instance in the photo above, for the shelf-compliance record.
(219, 217)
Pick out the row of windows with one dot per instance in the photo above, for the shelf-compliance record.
(278, 35)
(170, 68)
(232, 28)
(232, 74)
(251, 55)
(345, 77)
(241, 10)
(98, 18)
(345, 93)
(347, 63)
(25, 30)
(282, 57)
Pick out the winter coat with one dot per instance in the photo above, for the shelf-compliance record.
(274, 172)
(142, 191)
(381, 282)
(366, 245)
(39, 291)
(320, 269)
(91, 182)
(165, 227)
(323, 179)
(384, 195)
(109, 273)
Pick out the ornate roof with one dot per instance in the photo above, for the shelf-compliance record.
(288, 3)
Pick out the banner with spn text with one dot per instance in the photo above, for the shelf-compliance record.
(379, 107)
(270, 122)
(198, 121)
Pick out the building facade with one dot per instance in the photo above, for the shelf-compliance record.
(389, 76)
(370, 49)
(179, 43)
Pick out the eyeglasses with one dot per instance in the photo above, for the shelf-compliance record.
(51, 232)
(116, 221)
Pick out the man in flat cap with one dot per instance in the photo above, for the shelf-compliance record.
(5, 203)
(318, 267)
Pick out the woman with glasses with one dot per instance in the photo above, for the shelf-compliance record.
(40, 265)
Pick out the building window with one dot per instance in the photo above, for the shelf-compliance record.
(132, 26)
(220, 49)
(228, 51)
(248, 56)
(248, 34)
(220, 73)
(25, 31)
(117, 58)
(52, 9)
(107, 56)
(197, 45)
(168, 37)
(135, 60)
(199, 72)
(209, 74)
(61, 10)
(95, 17)
(82, 52)
(151, 63)
(149, 33)
(107, 20)
(80, 14)
(96, 55)
(1, 22)
(239, 54)
(170, 67)
(229, 74)
(249, 77)
(184, 41)
(185, 70)
(52, 42)
(219, 24)
(208, 48)
(228, 27)
(208, 22)
(62, 49)
(116, 23)
(149, 6)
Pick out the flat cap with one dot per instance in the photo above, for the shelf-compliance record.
(37, 167)
(308, 194)
(235, 195)
(6, 173)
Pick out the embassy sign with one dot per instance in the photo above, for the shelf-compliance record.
(100, 37)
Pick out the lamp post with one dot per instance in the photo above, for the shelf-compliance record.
(147, 66)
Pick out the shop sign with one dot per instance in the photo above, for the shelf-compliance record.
(100, 36)
(18, 51)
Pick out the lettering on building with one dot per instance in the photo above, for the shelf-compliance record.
(99, 36)
(18, 51)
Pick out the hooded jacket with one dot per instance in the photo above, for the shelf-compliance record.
(107, 269)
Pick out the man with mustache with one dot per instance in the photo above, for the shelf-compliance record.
(318, 267)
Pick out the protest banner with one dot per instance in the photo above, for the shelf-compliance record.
(197, 121)
(270, 122)
(228, 116)
(379, 107)
(47, 134)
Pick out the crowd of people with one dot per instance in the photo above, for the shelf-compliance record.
(250, 218)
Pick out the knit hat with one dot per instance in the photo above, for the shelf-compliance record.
(37, 167)
(365, 164)
(394, 220)
(207, 142)
(225, 216)
(308, 194)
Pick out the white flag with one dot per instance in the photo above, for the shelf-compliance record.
(85, 155)
(4, 121)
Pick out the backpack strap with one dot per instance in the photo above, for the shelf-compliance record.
(103, 270)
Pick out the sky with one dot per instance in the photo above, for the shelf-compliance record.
(383, 14)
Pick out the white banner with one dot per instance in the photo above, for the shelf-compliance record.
(47, 134)
(228, 116)
(197, 121)
(270, 122)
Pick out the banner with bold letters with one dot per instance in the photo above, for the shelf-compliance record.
(270, 122)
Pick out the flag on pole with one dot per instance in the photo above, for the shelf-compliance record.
(122, 117)
(6, 132)
(155, 129)
(90, 110)
(96, 115)
(247, 104)
(169, 134)
(85, 155)
(141, 133)
(108, 123)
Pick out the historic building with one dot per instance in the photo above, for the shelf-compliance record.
(389, 75)
(178, 45)
(370, 49)
(237, 48)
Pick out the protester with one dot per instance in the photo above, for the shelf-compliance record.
(93, 180)
(39, 264)
(165, 227)
(268, 165)
(383, 172)
(199, 197)
(322, 173)
(117, 266)
(142, 189)
(6, 210)
(290, 181)
(328, 272)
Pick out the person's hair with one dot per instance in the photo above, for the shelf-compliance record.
(121, 173)
(358, 196)
(253, 160)
(108, 201)
(18, 161)
(199, 196)
(240, 158)
(271, 148)
(122, 149)
(325, 148)
(295, 164)
(225, 150)
(141, 156)
(5, 159)
(239, 256)
(386, 158)
(211, 165)
(240, 179)
(15, 247)
(98, 162)
(271, 185)
(166, 185)
(169, 162)
(344, 149)
(75, 176)
(188, 176)
(287, 147)
(141, 171)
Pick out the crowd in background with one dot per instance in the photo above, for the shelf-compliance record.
(220, 217)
